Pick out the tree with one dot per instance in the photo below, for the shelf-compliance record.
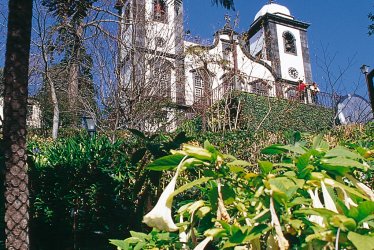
(14, 133)
(228, 4)
(71, 28)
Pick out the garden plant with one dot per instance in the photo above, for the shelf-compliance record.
(303, 196)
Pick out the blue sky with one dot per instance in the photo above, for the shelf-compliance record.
(338, 30)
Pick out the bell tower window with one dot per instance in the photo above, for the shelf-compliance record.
(289, 43)
(159, 11)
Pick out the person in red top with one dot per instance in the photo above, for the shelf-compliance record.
(302, 89)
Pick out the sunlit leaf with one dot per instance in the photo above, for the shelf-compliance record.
(166, 163)
(361, 242)
(342, 152)
(265, 167)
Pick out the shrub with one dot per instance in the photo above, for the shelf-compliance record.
(306, 197)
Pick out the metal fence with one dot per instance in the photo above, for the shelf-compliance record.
(278, 90)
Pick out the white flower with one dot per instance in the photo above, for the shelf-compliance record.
(203, 244)
(329, 203)
(316, 204)
(362, 187)
(160, 216)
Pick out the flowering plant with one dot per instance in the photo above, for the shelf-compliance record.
(300, 197)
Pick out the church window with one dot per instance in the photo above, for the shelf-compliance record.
(159, 10)
(198, 85)
(201, 84)
(289, 43)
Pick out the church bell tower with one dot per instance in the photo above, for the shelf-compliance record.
(277, 37)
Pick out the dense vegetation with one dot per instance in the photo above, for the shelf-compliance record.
(86, 190)
(254, 113)
(304, 195)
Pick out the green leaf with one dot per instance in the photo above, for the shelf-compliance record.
(188, 186)
(299, 201)
(343, 222)
(121, 244)
(283, 188)
(315, 211)
(273, 150)
(256, 232)
(228, 194)
(180, 138)
(203, 211)
(319, 144)
(350, 190)
(137, 133)
(361, 242)
(163, 236)
(265, 167)
(166, 163)
(138, 155)
(294, 148)
(238, 235)
(343, 152)
(297, 136)
(139, 235)
(239, 163)
(303, 161)
(340, 165)
(365, 209)
(140, 246)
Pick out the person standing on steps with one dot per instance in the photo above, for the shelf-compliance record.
(314, 92)
(302, 90)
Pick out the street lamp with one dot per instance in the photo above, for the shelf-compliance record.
(369, 81)
(89, 124)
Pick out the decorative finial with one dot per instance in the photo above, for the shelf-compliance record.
(271, 1)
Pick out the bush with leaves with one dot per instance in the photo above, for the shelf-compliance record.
(85, 190)
(78, 190)
(302, 197)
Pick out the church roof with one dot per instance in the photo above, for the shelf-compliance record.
(275, 9)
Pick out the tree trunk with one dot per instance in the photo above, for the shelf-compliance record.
(73, 85)
(14, 133)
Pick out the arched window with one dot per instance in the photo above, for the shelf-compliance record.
(159, 10)
(289, 43)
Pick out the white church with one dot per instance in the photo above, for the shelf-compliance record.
(268, 59)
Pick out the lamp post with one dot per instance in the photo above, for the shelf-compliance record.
(89, 124)
(369, 81)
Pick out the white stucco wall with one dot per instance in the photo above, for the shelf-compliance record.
(290, 60)
(247, 68)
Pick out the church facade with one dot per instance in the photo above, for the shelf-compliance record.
(269, 59)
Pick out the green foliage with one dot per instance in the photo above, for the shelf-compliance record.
(79, 190)
(85, 190)
(250, 112)
(277, 207)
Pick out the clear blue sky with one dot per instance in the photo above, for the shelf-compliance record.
(338, 27)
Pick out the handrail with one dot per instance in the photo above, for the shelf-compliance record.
(322, 99)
